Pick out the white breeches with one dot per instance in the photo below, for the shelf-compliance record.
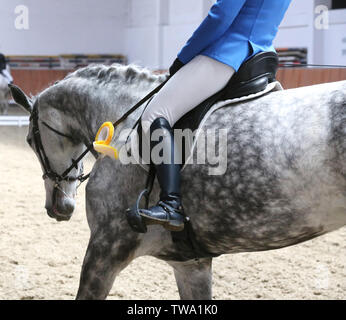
(199, 79)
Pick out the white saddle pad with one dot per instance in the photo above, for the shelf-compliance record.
(130, 150)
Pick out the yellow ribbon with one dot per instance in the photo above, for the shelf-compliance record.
(103, 139)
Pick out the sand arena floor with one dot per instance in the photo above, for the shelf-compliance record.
(41, 258)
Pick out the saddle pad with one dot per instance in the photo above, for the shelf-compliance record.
(130, 149)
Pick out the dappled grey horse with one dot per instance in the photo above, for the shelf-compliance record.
(284, 183)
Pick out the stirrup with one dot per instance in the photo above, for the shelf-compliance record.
(134, 219)
(138, 223)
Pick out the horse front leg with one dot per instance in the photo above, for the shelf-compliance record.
(104, 259)
(194, 279)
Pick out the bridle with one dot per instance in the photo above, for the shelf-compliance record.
(49, 173)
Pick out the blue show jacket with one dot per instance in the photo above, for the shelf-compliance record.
(235, 30)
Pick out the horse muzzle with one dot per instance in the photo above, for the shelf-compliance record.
(62, 208)
(55, 214)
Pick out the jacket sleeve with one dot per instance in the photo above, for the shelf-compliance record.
(219, 19)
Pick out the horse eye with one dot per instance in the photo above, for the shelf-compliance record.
(28, 140)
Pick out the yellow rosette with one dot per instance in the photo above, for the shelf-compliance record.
(103, 139)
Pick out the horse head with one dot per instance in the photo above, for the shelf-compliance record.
(55, 146)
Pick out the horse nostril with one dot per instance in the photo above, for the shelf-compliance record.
(65, 208)
(50, 214)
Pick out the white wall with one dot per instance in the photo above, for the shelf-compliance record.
(64, 26)
(143, 31)
(149, 32)
(333, 50)
(325, 46)
(296, 30)
(157, 29)
(183, 18)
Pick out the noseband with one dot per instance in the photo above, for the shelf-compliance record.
(48, 171)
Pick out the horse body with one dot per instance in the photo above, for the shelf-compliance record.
(284, 182)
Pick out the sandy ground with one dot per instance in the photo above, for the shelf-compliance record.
(41, 258)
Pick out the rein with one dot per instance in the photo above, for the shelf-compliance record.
(48, 171)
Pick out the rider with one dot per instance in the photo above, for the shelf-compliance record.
(5, 69)
(233, 31)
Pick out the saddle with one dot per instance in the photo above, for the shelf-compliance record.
(252, 77)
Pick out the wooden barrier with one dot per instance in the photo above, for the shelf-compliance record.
(34, 81)
(301, 77)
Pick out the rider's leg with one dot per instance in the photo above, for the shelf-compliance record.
(198, 80)
(195, 82)
(168, 211)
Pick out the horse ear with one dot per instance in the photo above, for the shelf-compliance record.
(20, 97)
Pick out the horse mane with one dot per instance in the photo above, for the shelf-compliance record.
(83, 81)
(107, 74)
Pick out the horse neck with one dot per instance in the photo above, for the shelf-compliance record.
(93, 107)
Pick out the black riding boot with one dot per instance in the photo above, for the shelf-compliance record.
(168, 211)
